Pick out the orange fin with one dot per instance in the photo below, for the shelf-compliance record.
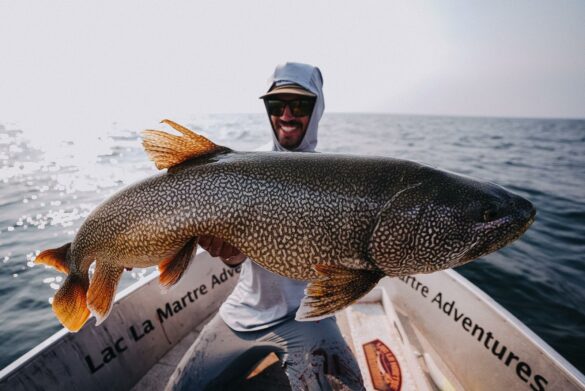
(336, 288)
(69, 303)
(172, 269)
(168, 150)
(102, 289)
(55, 257)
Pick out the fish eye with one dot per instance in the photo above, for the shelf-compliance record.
(490, 214)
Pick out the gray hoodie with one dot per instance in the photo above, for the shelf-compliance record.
(262, 299)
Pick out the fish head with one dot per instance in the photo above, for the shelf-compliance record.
(442, 220)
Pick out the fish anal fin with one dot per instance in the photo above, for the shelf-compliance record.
(172, 269)
(69, 303)
(336, 288)
(102, 289)
(168, 150)
(56, 258)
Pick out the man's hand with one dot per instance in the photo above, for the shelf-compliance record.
(217, 247)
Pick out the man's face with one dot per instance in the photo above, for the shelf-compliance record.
(288, 128)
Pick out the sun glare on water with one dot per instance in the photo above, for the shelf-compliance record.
(51, 183)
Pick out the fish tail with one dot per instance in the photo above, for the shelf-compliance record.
(57, 258)
(70, 302)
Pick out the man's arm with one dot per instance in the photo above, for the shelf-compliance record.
(217, 247)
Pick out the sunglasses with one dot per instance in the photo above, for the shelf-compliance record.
(298, 107)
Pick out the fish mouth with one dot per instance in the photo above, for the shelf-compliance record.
(531, 218)
(525, 226)
(512, 226)
(527, 222)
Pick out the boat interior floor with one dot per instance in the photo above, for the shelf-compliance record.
(362, 325)
(267, 375)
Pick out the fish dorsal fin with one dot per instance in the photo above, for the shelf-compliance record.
(168, 150)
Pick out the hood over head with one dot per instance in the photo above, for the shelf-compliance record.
(309, 77)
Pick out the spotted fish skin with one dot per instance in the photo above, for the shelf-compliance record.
(290, 211)
(285, 211)
(340, 222)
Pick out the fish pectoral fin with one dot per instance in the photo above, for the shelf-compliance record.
(172, 269)
(56, 258)
(102, 289)
(168, 150)
(336, 288)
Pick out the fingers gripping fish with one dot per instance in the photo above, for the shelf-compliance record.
(339, 222)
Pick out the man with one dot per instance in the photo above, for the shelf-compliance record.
(258, 317)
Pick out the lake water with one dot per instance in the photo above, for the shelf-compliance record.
(47, 188)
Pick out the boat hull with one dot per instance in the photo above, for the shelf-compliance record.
(143, 326)
(435, 315)
(479, 341)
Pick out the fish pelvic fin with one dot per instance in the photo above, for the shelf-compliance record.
(172, 269)
(69, 303)
(102, 289)
(168, 150)
(56, 258)
(336, 288)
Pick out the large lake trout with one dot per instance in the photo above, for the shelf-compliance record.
(339, 222)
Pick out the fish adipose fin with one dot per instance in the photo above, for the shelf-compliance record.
(172, 269)
(56, 258)
(102, 289)
(168, 150)
(69, 303)
(336, 288)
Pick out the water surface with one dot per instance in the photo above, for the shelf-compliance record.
(47, 188)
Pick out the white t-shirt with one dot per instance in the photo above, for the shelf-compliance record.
(261, 299)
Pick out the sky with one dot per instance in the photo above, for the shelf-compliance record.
(67, 63)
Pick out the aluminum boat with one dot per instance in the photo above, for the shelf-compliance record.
(425, 332)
